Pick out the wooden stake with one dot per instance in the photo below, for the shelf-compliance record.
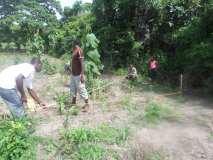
(181, 82)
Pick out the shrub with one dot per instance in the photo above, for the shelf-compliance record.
(15, 141)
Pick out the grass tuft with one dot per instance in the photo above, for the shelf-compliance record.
(90, 143)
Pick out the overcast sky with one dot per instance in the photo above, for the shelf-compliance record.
(69, 3)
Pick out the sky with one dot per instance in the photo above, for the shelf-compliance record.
(69, 3)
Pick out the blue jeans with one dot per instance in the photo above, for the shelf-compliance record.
(13, 101)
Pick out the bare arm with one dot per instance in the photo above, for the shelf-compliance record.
(34, 95)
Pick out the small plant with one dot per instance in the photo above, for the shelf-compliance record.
(62, 99)
(153, 112)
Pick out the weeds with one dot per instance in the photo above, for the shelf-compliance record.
(90, 152)
(62, 100)
(90, 143)
(154, 112)
(16, 141)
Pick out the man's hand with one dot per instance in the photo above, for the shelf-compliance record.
(24, 99)
(82, 78)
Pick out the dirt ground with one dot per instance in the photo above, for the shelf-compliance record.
(187, 137)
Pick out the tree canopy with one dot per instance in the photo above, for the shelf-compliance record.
(178, 32)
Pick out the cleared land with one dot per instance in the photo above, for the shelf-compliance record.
(136, 121)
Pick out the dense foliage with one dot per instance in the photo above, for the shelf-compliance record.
(178, 32)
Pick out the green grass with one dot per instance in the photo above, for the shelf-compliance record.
(156, 111)
(155, 156)
(90, 143)
(89, 152)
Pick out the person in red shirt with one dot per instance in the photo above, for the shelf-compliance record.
(153, 65)
(77, 84)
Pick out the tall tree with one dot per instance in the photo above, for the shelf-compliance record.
(21, 19)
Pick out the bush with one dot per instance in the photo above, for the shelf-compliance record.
(15, 141)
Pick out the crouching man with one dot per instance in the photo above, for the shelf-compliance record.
(132, 73)
(13, 79)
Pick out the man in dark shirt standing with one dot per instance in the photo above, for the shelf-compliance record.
(77, 78)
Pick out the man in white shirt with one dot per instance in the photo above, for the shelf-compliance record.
(15, 78)
(132, 73)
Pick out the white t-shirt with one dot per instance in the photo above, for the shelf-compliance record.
(8, 76)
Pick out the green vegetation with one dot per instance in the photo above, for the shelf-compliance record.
(156, 156)
(179, 36)
(117, 33)
(90, 143)
(16, 141)
(156, 111)
(176, 34)
(63, 100)
(48, 68)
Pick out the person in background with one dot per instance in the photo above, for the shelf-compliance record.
(13, 79)
(153, 65)
(132, 73)
(77, 83)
